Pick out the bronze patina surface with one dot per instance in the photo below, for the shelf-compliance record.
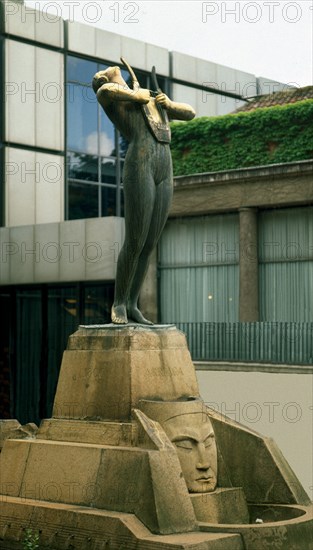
(147, 177)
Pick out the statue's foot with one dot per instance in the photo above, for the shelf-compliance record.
(135, 315)
(119, 315)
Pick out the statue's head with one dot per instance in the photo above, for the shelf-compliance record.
(188, 426)
(111, 74)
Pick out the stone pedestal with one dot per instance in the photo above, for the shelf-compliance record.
(106, 371)
(103, 474)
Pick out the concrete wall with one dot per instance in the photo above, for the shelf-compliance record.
(34, 187)
(34, 96)
(264, 187)
(79, 250)
(276, 405)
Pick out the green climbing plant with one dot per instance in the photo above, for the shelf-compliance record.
(271, 135)
(31, 540)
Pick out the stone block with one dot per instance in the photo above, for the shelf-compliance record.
(13, 461)
(101, 477)
(97, 432)
(109, 369)
(256, 464)
(6, 428)
(221, 506)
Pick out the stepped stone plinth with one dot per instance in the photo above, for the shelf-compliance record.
(132, 458)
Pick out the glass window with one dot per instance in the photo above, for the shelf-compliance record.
(82, 167)
(83, 201)
(123, 145)
(28, 355)
(63, 317)
(107, 136)
(82, 119)
(81, 70)
(162, 83)
(91, 141)
(108, 171)
(97, 304)
(108, 201)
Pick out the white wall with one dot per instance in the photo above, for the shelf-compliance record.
(105, 45)
(33, 24)
(34, 187)
(77, 250)
(276, 405)
(34, 96)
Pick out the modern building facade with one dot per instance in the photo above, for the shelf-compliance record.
(61, 185)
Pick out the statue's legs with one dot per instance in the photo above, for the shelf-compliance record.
(148, 193)
(163, 198)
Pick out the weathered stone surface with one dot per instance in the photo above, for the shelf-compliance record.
(144, 482)
(6, 427)
(255, 463)
(13, 460)
(284, 528)
(83, 431)
(108, 370)
(64, 525)
(104, 484)
(221, 506)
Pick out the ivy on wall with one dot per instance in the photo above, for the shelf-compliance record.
(269, 135)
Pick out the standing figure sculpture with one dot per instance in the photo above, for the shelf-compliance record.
(147, 177)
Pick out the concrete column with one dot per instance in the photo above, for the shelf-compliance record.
(248, 265)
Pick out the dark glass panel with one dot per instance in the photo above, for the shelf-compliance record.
(83, 167)
(108, 201)
(98, 301)
(162, 83)
(108, 171)
(5, 355)
(62, 321)
(28, 350)
(83, 201)
(122, 202)
(82, 119)
(81, 70)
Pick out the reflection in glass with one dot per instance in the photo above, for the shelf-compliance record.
(82, 119)
(108, 171)
(80, 70)
(82, 167)
(123, 144)
(83, 201)
(122, 202)
(107, 136)
(108, 201)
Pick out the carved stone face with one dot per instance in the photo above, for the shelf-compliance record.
(193, 436)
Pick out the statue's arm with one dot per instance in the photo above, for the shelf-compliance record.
(178, 111)
(110, 92)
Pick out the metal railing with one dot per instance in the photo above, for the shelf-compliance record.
(263, 342)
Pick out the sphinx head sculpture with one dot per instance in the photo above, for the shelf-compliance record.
(189, 428)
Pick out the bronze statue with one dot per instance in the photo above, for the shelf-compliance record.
(147, 177)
